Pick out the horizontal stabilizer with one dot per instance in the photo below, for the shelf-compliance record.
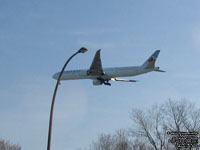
(160, 70)
(123, 80)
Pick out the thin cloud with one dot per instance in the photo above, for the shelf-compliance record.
(95, 45)
(196, 39)
(187, 76)
(86, 32)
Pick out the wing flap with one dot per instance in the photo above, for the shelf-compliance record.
(123, 80)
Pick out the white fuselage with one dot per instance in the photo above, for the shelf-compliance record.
(109, 73)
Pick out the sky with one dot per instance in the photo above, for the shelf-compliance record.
(37, 37)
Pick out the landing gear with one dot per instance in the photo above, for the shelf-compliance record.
(105, 82)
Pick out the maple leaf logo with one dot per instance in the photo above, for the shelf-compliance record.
(151, 59)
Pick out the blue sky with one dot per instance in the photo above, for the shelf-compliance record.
(37, 37)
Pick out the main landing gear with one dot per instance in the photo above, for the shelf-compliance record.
(105, 82)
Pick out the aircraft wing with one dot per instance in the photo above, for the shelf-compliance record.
(96, 67)
(123, 80)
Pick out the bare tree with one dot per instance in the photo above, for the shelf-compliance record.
(151, 126)
(118, 141)
(6, 145)
(141, 145)
(122, 140)
(104, 142)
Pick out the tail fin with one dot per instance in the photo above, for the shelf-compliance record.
(150, 63)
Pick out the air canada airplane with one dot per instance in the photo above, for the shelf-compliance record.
(101, 75)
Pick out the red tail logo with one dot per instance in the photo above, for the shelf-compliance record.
(151, 59)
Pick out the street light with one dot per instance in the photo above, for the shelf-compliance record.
(81, 50)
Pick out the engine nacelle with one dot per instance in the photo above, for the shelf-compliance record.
(97, 82)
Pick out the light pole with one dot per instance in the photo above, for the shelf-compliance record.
(82, 50)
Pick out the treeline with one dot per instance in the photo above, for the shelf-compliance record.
(7, 145)
(150, 127)
(120, 140)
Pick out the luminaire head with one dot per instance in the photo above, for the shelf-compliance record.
(82, 50)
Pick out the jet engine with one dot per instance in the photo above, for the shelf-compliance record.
(97, 82)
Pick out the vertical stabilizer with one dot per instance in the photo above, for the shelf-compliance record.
(150, 63)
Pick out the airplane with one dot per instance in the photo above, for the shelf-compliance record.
(101, 75)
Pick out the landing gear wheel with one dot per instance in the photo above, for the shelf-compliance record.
(106, 82)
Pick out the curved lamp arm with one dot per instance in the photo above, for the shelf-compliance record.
(82, 50)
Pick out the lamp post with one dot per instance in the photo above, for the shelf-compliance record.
(81, 50)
